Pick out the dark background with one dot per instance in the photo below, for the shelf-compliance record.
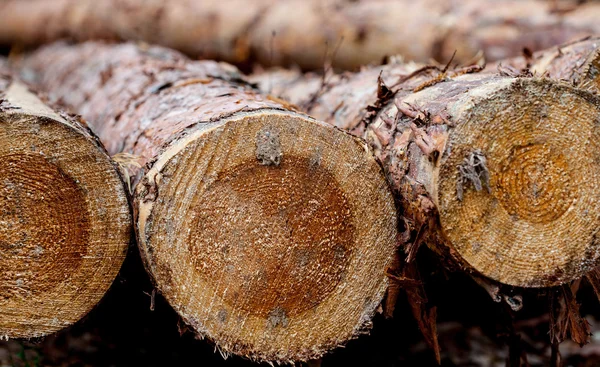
(473, 331)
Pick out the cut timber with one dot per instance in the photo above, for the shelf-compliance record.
(65, 221)
(577, 63)
(267, 231)
(501, 170)
(303, 32)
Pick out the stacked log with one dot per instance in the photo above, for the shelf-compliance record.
(257, 222)
(269, 232)
(525, 146)
(65, 220)
(307, 33)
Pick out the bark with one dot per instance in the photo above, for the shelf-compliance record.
(577, 63)
(494, 171)
(267, 231)
(349, 33)
(65, 220)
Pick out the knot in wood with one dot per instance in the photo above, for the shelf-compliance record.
(268, 147)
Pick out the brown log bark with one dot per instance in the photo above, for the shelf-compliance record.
(303, 32)
(267, 231)
(577, 63)
(497, 171)
(65, 222)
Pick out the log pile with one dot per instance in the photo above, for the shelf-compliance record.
(484, 149)
(278, 212)
(254, 221)
(422, 106)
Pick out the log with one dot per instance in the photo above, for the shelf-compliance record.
(65, 221)
(495, 172)
(349, 33)
(577, 63)
(269, 232)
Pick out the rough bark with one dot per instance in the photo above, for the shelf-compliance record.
(577, 63)
(65, 220)
(353, 33)
(267, 231)
(493, 170)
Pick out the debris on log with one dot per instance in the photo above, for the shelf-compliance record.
(65, 221)
(269, 232)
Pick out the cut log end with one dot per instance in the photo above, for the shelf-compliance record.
(64, 222)
(41, 206)
(519, 192)
(283, 220)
